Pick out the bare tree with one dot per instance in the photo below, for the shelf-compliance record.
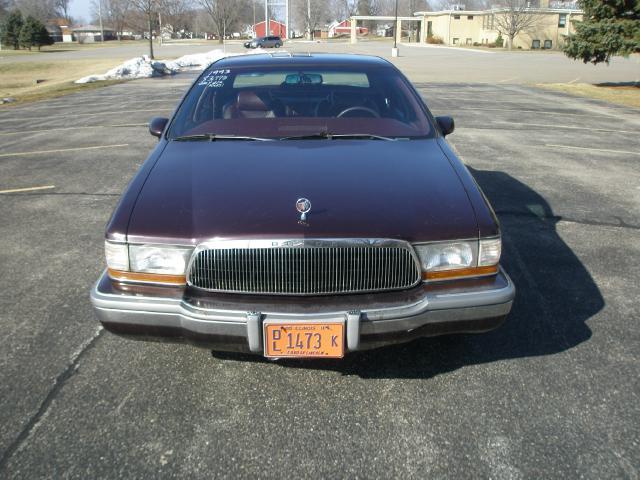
(149, 8)
(42, 10)
(413, 6)
(4, 8)
(343, 9)
(116, 12)
(178, 13)
(515, 17)
(62, 8)
(315, 13)
(223, 13)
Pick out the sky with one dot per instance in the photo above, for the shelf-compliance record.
(81, 10)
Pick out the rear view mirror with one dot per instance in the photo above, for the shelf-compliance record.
(303, 79)
(446, 125)
(157, 126)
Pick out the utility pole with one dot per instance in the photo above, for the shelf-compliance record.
(286, 17)
(160, 26)
(266, 18)
(394, 50)
(309, 19)
(100, 16)
(253, 27)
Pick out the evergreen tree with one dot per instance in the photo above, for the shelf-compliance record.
(28, 32)
(34, 34)
(11, 30)
(42, 36)
(609, 27)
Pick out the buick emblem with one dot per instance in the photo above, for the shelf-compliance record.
(303, 206)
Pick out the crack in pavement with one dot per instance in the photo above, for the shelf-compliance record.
(58, 384)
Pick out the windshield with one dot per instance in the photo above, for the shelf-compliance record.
(282, 102)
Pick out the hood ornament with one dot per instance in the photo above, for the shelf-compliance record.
(303, 206)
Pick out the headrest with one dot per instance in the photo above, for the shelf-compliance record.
(250, 101)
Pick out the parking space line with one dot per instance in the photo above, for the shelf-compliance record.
(28, 189)
(113, 112)
(62, 150)
(546, 112)
(508, 79)
(2, 134)
(606, 150)
(59, 107)
(570, 127)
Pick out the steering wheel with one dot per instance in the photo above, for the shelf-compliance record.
(356, 108)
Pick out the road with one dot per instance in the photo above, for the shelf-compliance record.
(554, 393)
(424, 63)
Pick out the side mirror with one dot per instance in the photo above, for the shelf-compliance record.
(446, 125)
(157, 126)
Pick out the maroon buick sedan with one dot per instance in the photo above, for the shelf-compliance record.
(302, 206)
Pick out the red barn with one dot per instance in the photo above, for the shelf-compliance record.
(275, 28)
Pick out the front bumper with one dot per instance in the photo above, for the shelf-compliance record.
(232, 322)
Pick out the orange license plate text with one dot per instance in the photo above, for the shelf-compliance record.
(324, 340)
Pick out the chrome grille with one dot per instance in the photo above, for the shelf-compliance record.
(306, 270)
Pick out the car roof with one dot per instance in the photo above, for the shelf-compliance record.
(303, 60)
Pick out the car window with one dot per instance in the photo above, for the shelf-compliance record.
(295, 101)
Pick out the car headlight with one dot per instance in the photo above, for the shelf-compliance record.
(445, 260)
(147, 263)
(159, 259)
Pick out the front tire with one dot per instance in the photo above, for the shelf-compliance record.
(278, 45)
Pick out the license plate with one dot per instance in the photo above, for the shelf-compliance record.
(320, 339)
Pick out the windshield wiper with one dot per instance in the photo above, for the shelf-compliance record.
(212, 137)
(331, 136)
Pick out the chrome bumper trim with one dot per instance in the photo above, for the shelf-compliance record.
(445, 306)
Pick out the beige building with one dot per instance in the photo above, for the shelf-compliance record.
(549, 27)
(548, 30)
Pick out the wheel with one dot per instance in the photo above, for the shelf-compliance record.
(278, 45)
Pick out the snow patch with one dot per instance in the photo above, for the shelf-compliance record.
(144, 67)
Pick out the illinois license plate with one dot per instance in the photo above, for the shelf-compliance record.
(309, 339)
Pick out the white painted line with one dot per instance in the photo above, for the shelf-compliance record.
(459, 49)
(570, 127)
(60, 107)
(575, 80)
(113, 112)
(606, 150)
(546, 112)
(508, 79)
(62, 150)
(28, 189)
(2, 134)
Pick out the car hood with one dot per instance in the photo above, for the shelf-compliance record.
(248, 189)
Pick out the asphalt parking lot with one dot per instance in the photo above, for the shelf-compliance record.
(554, 393)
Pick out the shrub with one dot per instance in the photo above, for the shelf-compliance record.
(499, 41)
(434, 39)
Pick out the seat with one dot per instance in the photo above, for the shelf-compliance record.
(248, 105)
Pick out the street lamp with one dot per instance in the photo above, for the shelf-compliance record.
(394, 50)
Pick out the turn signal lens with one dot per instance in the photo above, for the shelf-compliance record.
(461, 272)
(490, 250)
(147, 277)
(117, 255)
